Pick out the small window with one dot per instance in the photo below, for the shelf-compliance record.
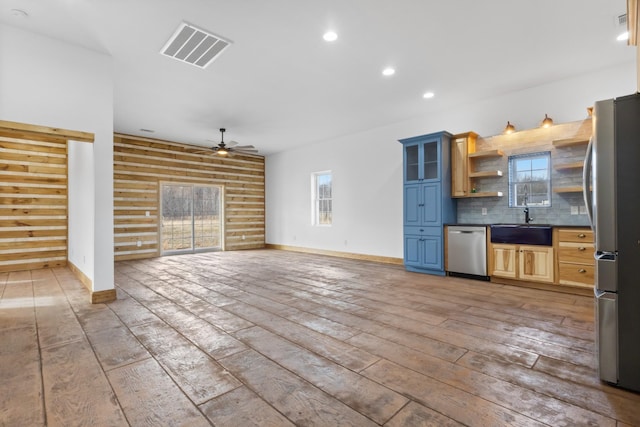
(322, 198)
(530, 180)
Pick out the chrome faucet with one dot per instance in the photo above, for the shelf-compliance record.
(527, 218)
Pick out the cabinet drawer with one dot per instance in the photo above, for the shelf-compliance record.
(576, 274)
(423, 231)
(576, 253)
(575, 235)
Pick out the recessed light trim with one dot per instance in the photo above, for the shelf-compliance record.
(428, 95)
(330, 36)
(389, 71)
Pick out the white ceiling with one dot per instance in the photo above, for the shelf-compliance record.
(280, 85)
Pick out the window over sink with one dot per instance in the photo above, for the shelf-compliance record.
(530, 180)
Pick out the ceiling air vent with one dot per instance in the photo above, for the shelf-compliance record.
(194, 46)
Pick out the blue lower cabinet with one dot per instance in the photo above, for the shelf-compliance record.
(422, 252)
(427, 201)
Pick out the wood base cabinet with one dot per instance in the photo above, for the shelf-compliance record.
(576, 265)
(523, 262)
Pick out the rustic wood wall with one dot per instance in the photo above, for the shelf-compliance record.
(33, 201)
(140, 164)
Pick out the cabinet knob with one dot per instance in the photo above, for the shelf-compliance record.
(582, 270)
(582, 235)
(581, 248)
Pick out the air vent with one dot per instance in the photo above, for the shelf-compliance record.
(622, 20)
(194, 46)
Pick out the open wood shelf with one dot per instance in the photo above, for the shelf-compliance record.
(485, 174)
(486, 194)
(567, 166)
(486, 154)
(570, 142)
(576, 189)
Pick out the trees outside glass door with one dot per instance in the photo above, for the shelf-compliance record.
(191, 218)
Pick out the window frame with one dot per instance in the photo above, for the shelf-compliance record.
(513, 184)
(317, 196)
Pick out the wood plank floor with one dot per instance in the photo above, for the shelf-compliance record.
(275, 338)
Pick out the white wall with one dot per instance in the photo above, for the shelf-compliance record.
(52, 83)
(367, 167)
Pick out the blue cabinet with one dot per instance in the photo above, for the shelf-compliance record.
(427, 201)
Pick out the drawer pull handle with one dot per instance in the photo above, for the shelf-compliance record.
(582, 235)
(582, 270)
(581, 248)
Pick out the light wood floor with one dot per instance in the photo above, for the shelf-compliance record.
(277, 338)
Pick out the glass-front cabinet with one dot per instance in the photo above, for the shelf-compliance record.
(421, 160)
(427, 201)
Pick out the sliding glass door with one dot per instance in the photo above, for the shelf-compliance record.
(191, 218)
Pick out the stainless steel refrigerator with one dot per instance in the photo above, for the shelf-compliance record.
(612, 195)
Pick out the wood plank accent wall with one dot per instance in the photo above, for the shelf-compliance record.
(140, 164)
(33, 200)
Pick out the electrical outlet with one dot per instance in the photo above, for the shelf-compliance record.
(583, 210)
(147, 213)
(243, 237)
(575, 210)
(139, 243)
(484, 211)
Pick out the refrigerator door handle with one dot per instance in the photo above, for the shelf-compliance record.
(586, 183)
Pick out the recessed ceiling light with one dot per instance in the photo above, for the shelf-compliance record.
(623, 37)
(18, 13)
(330, 36)
(388, 71)
(428, 95)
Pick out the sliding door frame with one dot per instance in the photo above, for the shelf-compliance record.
(193, 248)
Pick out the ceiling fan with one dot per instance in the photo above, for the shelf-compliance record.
(227, 150)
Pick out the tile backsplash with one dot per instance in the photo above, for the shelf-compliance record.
(567, 208)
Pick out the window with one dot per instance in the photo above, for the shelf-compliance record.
(322, 198)
(530, 180)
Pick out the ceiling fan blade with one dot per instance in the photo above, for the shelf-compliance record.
(232, 143)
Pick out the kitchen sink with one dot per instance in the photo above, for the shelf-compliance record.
(522, 234)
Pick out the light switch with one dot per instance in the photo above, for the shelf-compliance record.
(575, 210)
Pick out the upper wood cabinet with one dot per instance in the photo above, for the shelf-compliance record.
(464, 158)
(461, 145)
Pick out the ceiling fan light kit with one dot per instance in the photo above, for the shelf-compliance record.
(228, 150)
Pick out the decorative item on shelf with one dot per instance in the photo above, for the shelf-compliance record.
(473, 190)
(509, 128)
(590, 111)
(546, 122)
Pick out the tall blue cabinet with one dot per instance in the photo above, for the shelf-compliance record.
(427, 201)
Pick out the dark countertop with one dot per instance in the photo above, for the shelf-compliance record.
(533, 223)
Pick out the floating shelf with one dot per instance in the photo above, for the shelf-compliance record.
(486, 153)
(577, 189)
(570, 142)
(485, 174)
(486, 194)
(566, 166)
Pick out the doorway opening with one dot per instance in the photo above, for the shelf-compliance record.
(191, 218)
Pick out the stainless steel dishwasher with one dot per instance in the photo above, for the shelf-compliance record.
(467, 251)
